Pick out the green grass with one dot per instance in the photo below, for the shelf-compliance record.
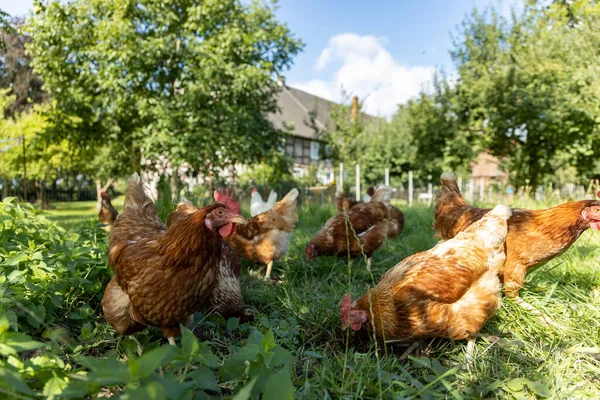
(517, 357)
(73, 214)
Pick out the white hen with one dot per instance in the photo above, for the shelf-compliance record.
(258, 206)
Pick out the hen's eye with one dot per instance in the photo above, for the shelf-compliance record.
(220, 213)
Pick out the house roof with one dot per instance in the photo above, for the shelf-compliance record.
(294, 108)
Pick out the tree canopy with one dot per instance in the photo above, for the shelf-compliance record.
(193, 80)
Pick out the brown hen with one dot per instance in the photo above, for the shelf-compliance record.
(534, 236)
(365, 232)
(108, 214)
(449, 291)
(164, 274)
(266, 236)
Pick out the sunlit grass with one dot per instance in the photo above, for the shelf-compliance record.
(515, 343)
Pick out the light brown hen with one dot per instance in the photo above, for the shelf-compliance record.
(449, 291)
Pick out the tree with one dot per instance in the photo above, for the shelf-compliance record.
(529, 82)
(190, 80)
(16, 72)
(344, 137)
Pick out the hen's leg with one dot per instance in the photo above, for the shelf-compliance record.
(513, 282)
(410, 349)
(470, 348)
(269, 268)
(369, 263)
(171, 333)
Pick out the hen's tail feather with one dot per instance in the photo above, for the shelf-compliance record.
(449, 183)
(136, 196)
(501, 211)
(272, 198)
(291, 196)
(381, 195)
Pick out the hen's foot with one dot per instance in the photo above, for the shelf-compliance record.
(369, 263)
(171, 340)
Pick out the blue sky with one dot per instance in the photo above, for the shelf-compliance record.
(384, 51)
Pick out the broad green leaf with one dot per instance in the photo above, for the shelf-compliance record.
(233, 323)
(539, 388)
(13, 381)
(15, 342)
(149, 362)
(268, 342)
(516, 384)
(54, 387)
(244, 393)
(204, 378)
(189, 342)
(279, 386)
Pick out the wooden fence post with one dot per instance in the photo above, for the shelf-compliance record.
(459, 183)
(430, 189)
(357, 182)
(387, 177)
(410, 188)
(341, 181)
(471, 190)
(481, 189)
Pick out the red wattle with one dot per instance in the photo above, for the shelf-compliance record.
(226, 230)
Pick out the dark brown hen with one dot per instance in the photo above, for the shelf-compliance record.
(164, 274)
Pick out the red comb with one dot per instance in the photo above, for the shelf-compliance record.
(226, 198)
(345, 306)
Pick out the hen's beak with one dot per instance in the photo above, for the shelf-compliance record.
(239, 220)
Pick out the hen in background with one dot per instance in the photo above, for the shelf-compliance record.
(258, 206)
(164, 274)
(345, 203)
(266, 236)
(534, 236)
(108, 214)
(366, 232)
(449, 291)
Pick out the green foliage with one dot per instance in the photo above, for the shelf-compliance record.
(44, 270)
(190, 80)
(269, 172)
(529, 82)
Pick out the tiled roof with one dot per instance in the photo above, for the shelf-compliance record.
(294, 107)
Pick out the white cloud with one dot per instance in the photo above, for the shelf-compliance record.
(363, 67)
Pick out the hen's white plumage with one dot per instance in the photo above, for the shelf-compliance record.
(258, 205)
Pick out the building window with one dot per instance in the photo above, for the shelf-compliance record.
(298, 148)
(314, 150)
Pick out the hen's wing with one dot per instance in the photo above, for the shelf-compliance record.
(226, 298)
(365, 215)
(282, 216)
(257, 204)
(442, 276)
